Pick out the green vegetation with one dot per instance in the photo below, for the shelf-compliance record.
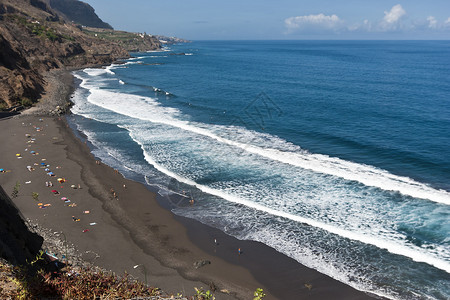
(204, 295)
(40, 28)
(112, 35)
(15, 191)
(26, 102)
(35, 196)
(258, 294)
(35, 282)
(39, 257)
(129, 40)
(44, 31)
(3, 106)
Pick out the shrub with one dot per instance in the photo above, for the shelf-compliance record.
(3, 106)
(15, 191)
(26, 102)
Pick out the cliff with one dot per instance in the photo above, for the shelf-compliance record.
(17, 243)
(78, 12)
(34, 39)
(131, 41)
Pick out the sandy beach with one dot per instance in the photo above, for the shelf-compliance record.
(120, 225)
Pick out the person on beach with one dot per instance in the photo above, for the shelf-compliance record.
(239, 251)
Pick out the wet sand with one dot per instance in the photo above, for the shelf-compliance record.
(133, 228)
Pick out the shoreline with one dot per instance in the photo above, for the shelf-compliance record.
(139, 229)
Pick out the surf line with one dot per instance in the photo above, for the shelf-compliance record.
(390, 246)
(365, 174)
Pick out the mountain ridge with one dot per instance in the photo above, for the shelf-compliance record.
(78, 12)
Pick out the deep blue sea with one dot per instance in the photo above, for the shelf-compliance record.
(335, 153)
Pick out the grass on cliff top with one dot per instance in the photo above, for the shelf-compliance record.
(112, 35)
(40, 28)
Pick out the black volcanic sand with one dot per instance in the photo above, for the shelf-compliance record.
(132, 228)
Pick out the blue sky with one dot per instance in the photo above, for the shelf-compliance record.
(283, 19)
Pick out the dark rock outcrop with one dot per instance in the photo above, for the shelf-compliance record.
(17, 244)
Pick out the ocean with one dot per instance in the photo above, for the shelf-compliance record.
(335, 153)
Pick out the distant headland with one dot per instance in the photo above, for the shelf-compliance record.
(37, 36)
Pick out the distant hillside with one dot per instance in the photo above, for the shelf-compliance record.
(131, 41)
(169, 40)
(34, 39)
(78, 12)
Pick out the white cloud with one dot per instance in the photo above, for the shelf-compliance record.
(313, 22)
(432, 22)
(392, 19)
(394, 14)
(366, 25)
(447, 21)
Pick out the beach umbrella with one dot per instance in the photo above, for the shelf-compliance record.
(32, 152)
(2, 170)
(64, 198)
(73, 186)
(54, 191)
(46, 169)
(42, 164)
(61, 180)
(18, 154)
(50, 174)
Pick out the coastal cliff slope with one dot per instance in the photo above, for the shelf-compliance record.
(35, 39)
(17, 243)
(78, 12)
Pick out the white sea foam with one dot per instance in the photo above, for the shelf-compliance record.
(132, 106)
(94, 72)
(389, 245)
(133, 62)
(164, 49)
(108, 70)
(367, 175)
(136, 58)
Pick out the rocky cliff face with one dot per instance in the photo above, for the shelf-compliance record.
(17, 243)
(35, 39)
(78, 12)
